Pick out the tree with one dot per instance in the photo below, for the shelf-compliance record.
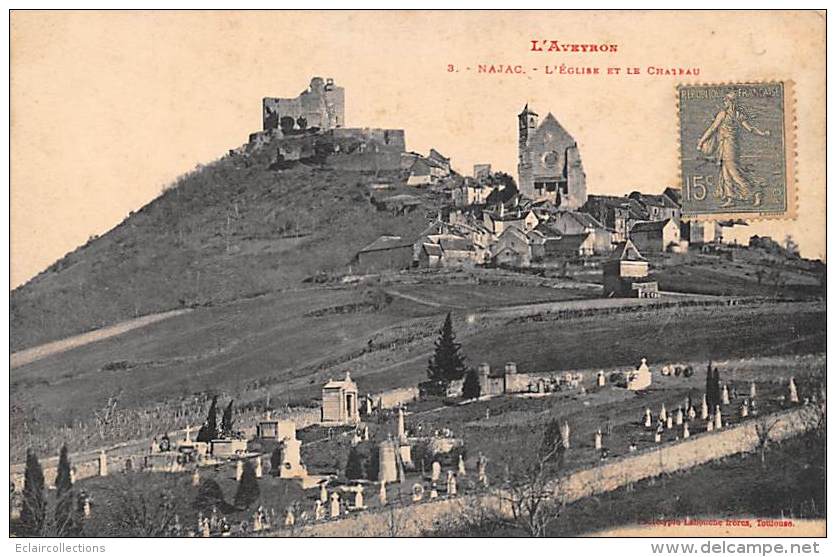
(447, 364)
(470, 389)
(209, 496)
(248, 491)
(791, 246)
(33, 512)
(67, 522)
(712, 387)
(136, 510)
(276, 461)
(227, 421)
(209, 429)
(355, 467)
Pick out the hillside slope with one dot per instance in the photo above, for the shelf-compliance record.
(230, 230)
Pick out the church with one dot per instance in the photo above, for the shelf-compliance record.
(550, 165)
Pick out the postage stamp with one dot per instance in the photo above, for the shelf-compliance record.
(736, 147)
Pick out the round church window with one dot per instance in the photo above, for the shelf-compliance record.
(550, 158)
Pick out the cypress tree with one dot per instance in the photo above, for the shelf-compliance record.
(209, 430)
(209, 495)
(355, 467)
(66, 518)
(226, 420)
(471, 389)
(33, 513)
(446, 364)
(248, 491)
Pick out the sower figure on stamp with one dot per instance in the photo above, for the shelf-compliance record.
(720, 140)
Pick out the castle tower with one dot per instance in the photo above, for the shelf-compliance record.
(527, 120)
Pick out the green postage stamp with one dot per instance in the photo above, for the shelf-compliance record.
(736, 149)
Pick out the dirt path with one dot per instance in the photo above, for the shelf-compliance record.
(36, 353)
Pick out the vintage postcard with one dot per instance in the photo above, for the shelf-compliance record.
(417, 274)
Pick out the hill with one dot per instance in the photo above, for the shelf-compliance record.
(230, 230)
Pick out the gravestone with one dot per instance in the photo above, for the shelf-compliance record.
(602, 379)
(451, 483)
(648, 418)
(436, 471)
(258, 469)
(196, 477)
(718, 419)
(598, 441)
(417, 493)
(753, 390)
(686, 433)
(358, 498)
(704, 408)
(565, 432)
(669, 422)
(680, 417)
(725, 395)
(663, 414)
(289, 518)
(102, 463)
(335, 505)
(461, 468)
(382, 497)
(319, 510)
(793, 391)
(239, 470)
(323, 493)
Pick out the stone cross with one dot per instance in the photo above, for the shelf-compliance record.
(102, 463)
(680, 417)
(239, 470)
(335, 505)
(648, 418)
(259, 471)
(436, 471)
(686, 433)
(718, 419)
(793, 390)
(598, 441)
(725, 394)
(704, 408)
(382, 495)
(461, 470)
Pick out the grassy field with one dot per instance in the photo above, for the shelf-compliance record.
(286, 345)
(791, 485)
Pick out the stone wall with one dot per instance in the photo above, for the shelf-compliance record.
(412, 520)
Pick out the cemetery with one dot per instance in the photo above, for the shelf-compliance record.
(365, 457)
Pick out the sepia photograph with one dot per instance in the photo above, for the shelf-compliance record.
(417, 274)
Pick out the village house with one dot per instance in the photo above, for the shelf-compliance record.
(471, 192)
(616, 213)
(652, 237)
(599, 239)
(513, 248)
(385, 253)
(699, 233)
(658, 207)
(626, 274)
(423, 171)
(447, 250)
(498, 221)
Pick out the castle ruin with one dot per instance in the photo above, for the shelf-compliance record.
(321, 106)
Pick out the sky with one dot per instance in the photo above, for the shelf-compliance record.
(107, 108)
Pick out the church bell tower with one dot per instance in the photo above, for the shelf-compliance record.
(527, 120)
